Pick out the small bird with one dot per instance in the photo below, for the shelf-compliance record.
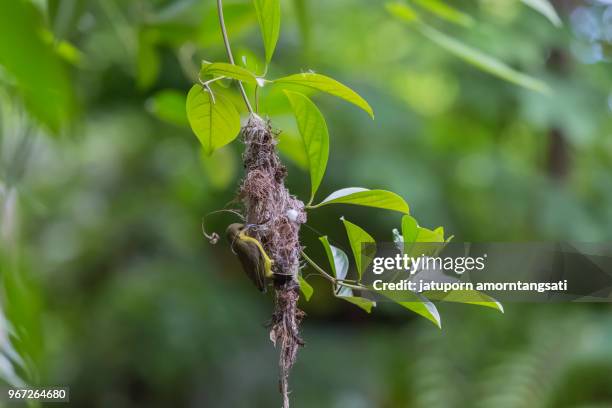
(255, 262)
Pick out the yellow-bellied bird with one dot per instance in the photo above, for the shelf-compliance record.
(255, 262)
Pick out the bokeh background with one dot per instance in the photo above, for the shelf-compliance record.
(109, 287)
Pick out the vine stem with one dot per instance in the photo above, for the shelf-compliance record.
(327, 276)
(228, 50)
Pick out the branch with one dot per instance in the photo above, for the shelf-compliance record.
(336, 281)
(228, 50)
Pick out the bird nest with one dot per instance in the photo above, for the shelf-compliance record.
(274, 216)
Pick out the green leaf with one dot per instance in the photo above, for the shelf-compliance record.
(410, 229)
(347, 294)
(357, 238)
(223, 69)
(268, 14)
(291, 146)
(340, 264)
(169, 106)
(337, 259)
(446, 12)
(416, 303)
(367, 198)
(483, 61)
(414, 235)
(31, 62)
(313, 130)
(471, 55)
(214, 123)
(364, 304)
(546, 9)
(472, 297)
(424, 308)
(403, 12)
(328, 85)
(427, 235)
(67, 51)
(305, 287)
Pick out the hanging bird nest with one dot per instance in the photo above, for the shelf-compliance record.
(274, 217)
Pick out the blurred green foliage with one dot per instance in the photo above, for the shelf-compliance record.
(110, 288)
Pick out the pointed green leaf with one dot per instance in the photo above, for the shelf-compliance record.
(33, 65)
(472, 297)
(357, 238)
(483, 61)
(445, 12)
(337, 259)
(416, 303)
(367, 198)
(470, 55)
(347, 294)
(328, 85)
(222, 69)
(409, 229)
(313, 130)
(546, 9)
(427, 235)
(403, 12)
(418, 240)
(214, 123)
(69, 52)
(268, 15)
(305, 287)
(426, 309)
(412, 232)
(362, 303)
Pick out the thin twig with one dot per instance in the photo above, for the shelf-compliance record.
(257, 99)
(228, 49)
(207, 88)
(327, 276)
